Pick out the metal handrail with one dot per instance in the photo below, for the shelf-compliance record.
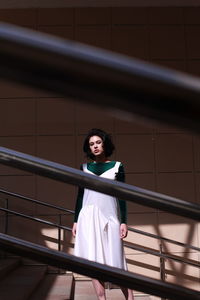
(95, 270)
(36, 201)
(118, 189)
(126, 244)
(129, 228)
(162, 255)
(34, 218)
(100, 77)
(164, 239)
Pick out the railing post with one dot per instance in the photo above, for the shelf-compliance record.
(162, 267)
(4, 254)
(6, 217)
(59, 233)
(60, 271)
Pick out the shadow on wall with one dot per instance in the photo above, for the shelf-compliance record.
(59, 194)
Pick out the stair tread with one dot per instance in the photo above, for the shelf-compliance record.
(20, 283)
(84, 290)
(55, 287)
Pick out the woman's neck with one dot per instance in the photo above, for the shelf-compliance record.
(101, 159)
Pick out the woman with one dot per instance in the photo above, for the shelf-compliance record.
(97, 228)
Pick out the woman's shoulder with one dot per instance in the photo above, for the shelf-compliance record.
(82, 166)
(86, 165)
(119, 163)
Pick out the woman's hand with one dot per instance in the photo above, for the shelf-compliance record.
(123, 231)
(74, 229)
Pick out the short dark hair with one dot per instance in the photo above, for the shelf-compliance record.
(107, 142)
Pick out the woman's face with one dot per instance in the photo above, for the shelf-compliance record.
(96, 145)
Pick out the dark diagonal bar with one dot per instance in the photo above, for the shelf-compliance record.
(96, 76)
(121, 190)
(96, 270)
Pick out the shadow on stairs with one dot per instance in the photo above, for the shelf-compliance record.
(22, 281)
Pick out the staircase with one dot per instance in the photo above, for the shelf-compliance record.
(84, 291)
(21, 281)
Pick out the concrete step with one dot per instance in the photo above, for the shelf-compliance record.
(7, 265)
(55, 287)
(84, 291)
(21, 282)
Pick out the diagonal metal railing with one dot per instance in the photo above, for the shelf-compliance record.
(126, 244)
(65, 211)
(111, 187)
(100, 77)
(99, 271)
(57, 207)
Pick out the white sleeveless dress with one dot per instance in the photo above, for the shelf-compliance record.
(98, 227)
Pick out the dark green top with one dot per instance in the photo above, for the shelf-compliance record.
(98, 169)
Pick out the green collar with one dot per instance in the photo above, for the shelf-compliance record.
(99, 168)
